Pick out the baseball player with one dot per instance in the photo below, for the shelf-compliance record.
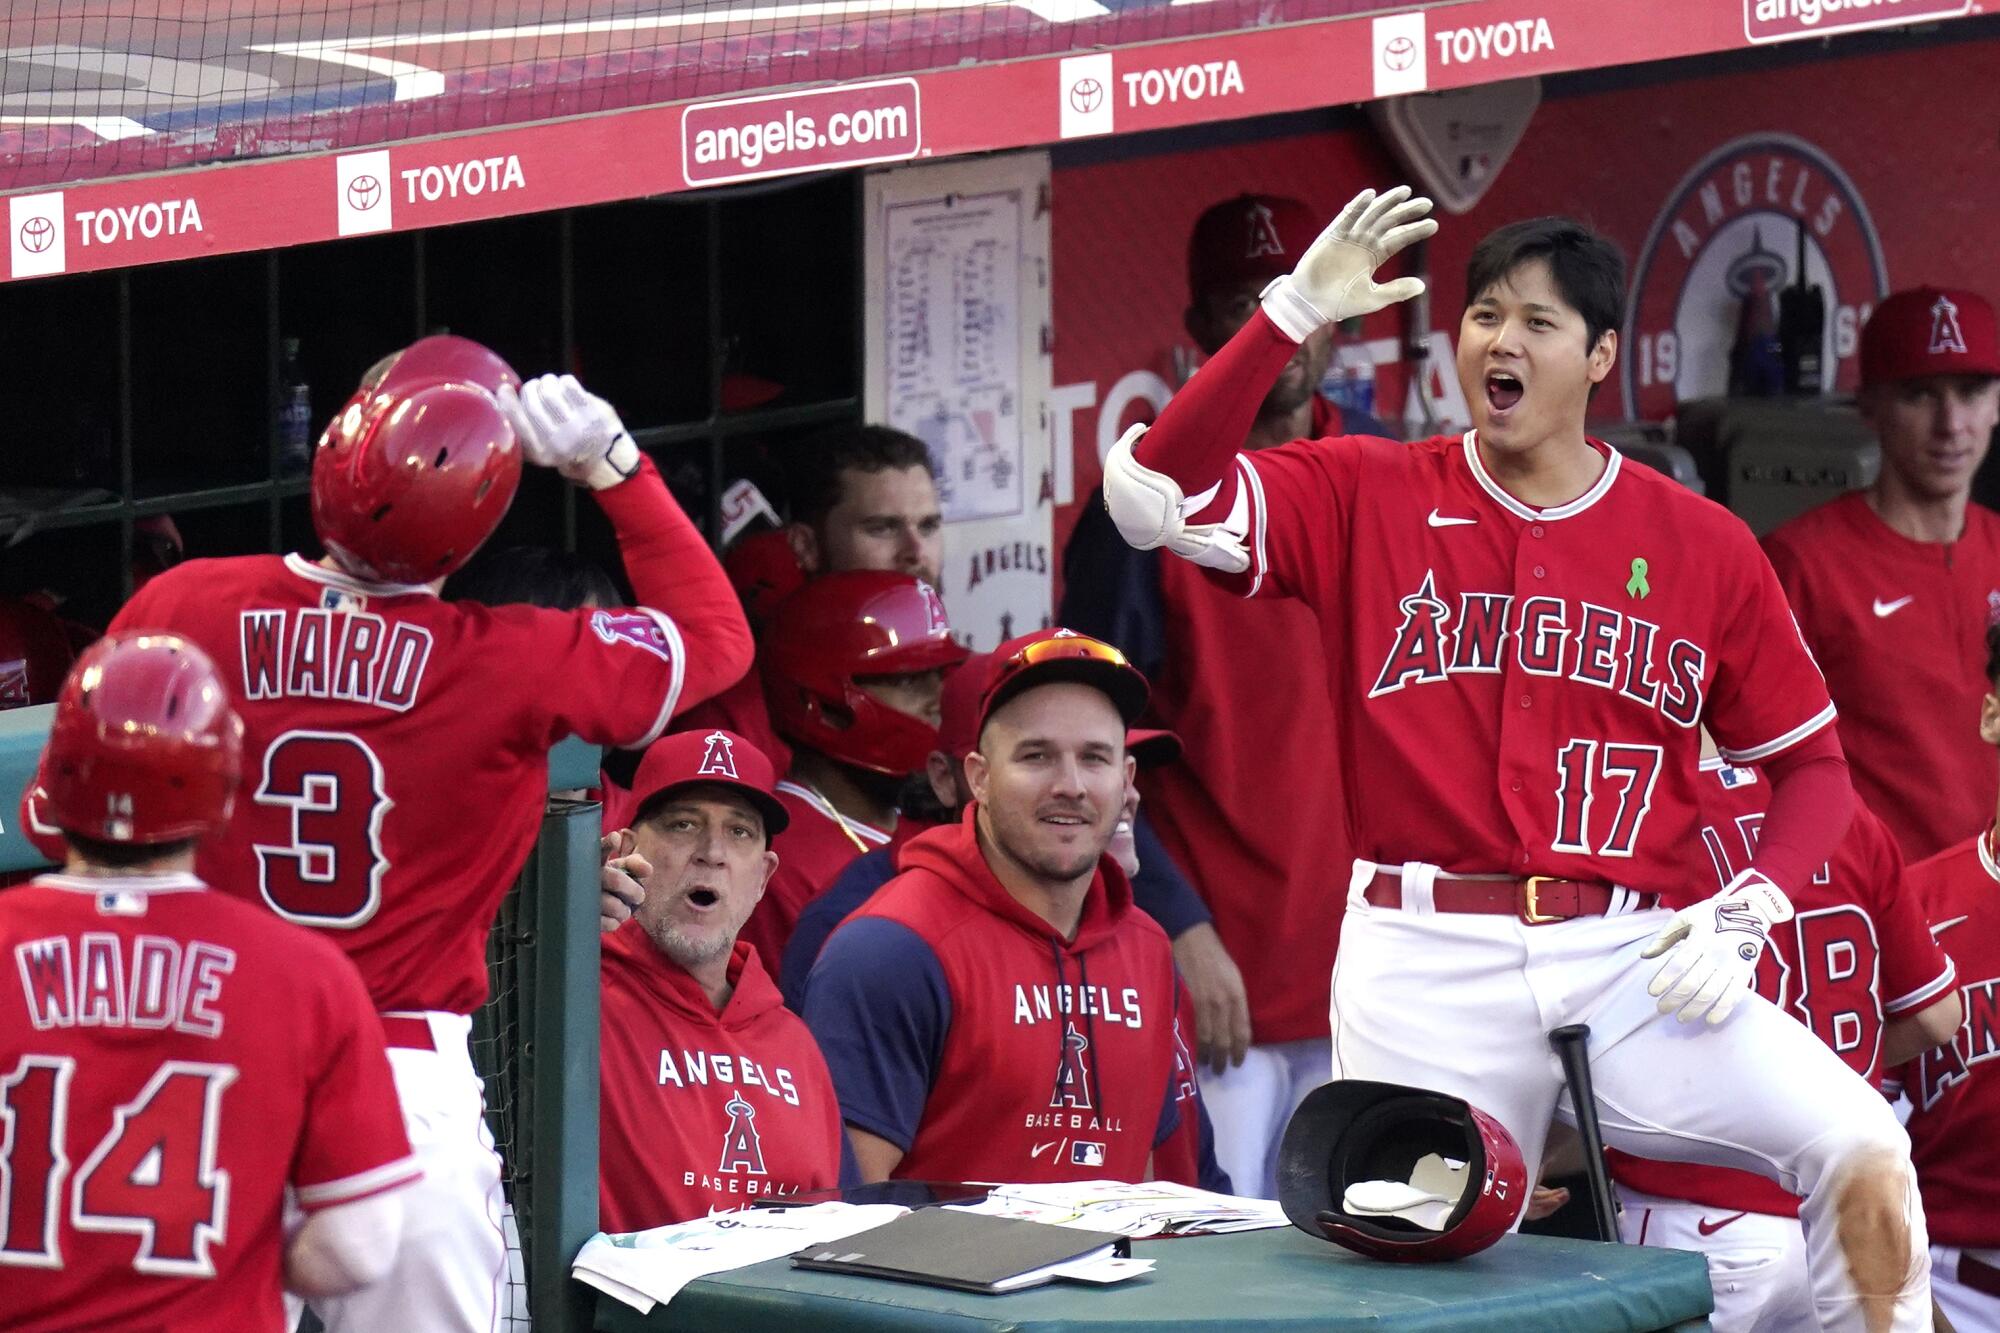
(1954, 1089)
(396, 745)
(713, 1093)
(173, 1062)
(1525, 637)
(1857, 965)
(1000, 1010)
(1896, 584)
(853, 668)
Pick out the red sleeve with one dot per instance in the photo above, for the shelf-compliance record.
(1811, 804)
(1915, 970)
(1768, 693)
(1298, 499)
(353, 1144)
(1199, 432)
(673, 572)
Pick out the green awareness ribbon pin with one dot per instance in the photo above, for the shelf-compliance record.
(1637, 586)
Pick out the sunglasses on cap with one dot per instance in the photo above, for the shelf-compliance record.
(1066, 655)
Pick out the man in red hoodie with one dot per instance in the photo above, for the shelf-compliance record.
(1000, 1010)
(712, 1092)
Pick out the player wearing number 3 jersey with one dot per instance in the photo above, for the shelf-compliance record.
(396, 745)
(1525, 637)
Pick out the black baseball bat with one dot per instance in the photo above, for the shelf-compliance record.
(1571, 1047)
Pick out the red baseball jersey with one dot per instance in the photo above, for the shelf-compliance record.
(1900, 628)
(396, 749)
(1857, 951)
(1254, 814)
(964, 1029)
(702, 1111)
(1521, 689)
(1954, 1090)
(170, 1061)
(812, 851)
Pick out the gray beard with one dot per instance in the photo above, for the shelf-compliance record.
(685, 951)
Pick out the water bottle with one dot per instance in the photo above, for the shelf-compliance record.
(295, 419)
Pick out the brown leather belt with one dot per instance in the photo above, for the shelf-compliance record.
(408, 1032)
(1537, 900)
(1978, 1275)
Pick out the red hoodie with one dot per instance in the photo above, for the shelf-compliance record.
(962, 1028)
(702, 1111)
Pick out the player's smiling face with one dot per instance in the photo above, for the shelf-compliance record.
(711, 861)
(1050, 773)
(1525, 361)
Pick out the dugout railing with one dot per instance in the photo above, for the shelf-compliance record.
(535, 1041)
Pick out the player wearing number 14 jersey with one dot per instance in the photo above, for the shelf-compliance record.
(396, 745)
(172, 1061)
(1524, 637)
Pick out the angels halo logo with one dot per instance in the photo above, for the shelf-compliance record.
(1735, 216)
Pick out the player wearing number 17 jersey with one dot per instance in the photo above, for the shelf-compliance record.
(396, 745)
(1857, 965)
(1524, 637)
(172, 1061)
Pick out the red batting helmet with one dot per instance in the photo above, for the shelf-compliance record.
(842, 626)
(145, 747)
(1350, 1133)
(416, 471)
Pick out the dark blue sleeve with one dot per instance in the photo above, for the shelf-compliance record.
(817, 920)
(1170, 1113)
(1160, 889)
(1208, 1172)
(878, 1007)
(1112, 592)
(1361, 423)
(850, 1169)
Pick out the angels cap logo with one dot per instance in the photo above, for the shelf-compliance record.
(1073, 1074)
(1263, 234)
(720, 756)
(934, 616)
(1730, 222)
(1946, 336)
(740, 1149)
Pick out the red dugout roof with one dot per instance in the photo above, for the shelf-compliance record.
(224, 127)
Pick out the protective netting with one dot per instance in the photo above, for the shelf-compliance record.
(499, 1033)
(91, 89)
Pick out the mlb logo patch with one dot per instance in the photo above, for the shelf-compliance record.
(634, 627)
(1732, 778)
(1086, 1154)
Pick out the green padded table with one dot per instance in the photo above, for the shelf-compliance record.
(1257, 1282)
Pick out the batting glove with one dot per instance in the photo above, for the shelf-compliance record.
(565, 426)
(1335, 279)
(1150, 510)
(1712, 949)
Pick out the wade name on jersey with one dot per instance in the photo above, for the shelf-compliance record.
(1977, 1041)
(161, 983)
(1043, 1004)
(346, 654)
(1549, 636)
(687, 1069)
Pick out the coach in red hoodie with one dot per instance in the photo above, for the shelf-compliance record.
(1000, 1010)
(713, 1094)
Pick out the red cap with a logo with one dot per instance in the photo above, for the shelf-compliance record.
(1929, 331)
(958, 733)
(719, 758)
(1258, 236)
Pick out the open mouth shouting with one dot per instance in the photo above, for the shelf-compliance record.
(1503, 392)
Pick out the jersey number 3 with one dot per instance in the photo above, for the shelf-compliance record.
(152, 1175)
(329, 873)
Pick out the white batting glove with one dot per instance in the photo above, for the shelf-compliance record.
(1150, 510)
(1712, 948)
(1335, 279)
(567, 427)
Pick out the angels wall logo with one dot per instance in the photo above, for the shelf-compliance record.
(1736, 216)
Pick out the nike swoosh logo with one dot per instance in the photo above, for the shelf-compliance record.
(1438, 520)
(1942, 926)
(1041, 1148)
(1708, 1228)
(1883, 608)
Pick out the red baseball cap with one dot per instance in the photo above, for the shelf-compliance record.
(719, 758)
(1051, 655)
(1257, 236)
(1929, 331)
(958, 734)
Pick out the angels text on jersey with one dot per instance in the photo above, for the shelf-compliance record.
(700, 1069)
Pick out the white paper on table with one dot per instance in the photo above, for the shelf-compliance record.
(645, 1268)
(1155, 1208)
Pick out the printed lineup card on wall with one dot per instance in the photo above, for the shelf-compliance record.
(957, 342)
